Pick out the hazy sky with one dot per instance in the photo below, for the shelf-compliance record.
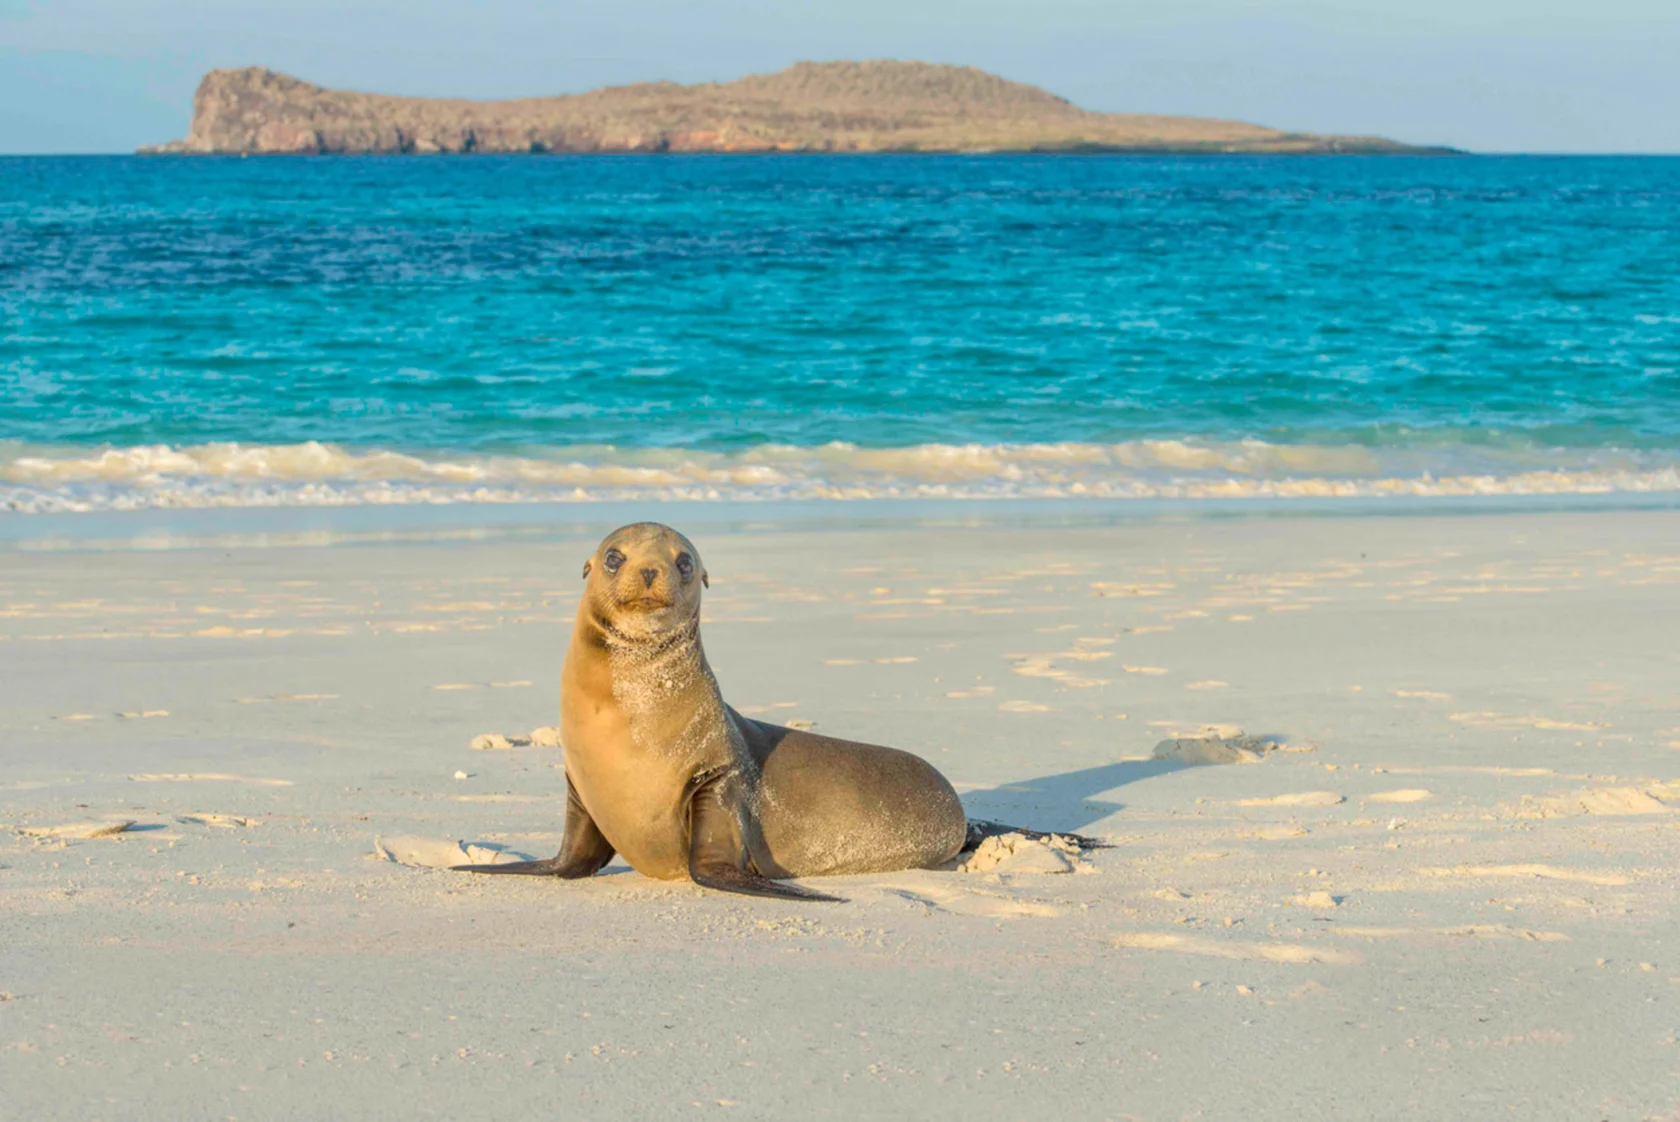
(1489, 75)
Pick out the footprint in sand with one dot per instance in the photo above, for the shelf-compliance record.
(1405, 795)
(1544, 872)
(504, 798)
(1465, 770)
(1504, 721)
(439, 853)
(1278, 833)
(1102, 588)
(287, 697)
(1467, 931)
(1657, 798)
(220, 821)
(1294, 953)
(1299, 798)
(987, 905)
(1044, 666)
(208, 777)
(76, 831)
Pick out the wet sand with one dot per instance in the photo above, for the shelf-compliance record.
(1449, 891)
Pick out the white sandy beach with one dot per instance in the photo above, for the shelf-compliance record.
(1452, 896)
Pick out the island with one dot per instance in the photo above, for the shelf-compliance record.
(872, 106)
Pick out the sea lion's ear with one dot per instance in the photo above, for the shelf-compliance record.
(704, 581)
(587, 565)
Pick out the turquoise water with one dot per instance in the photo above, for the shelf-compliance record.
(306, 331)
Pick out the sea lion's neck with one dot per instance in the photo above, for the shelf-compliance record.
(656, 680)
(627, 649)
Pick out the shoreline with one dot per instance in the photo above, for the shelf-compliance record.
(246, 527)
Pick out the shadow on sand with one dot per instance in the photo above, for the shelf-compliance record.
(1066, 802)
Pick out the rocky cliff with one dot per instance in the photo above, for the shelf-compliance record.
(879, 106)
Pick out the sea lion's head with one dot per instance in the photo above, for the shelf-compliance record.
(644, 581)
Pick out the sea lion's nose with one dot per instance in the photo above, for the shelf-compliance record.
(649, 576)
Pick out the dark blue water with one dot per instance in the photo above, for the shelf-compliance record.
(811, 324)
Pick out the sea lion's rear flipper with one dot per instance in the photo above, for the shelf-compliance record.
(727, 878)
(583, 849)
(717, 858)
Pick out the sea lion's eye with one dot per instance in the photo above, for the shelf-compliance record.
(685, 565)
(613, 561)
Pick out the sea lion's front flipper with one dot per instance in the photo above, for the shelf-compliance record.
(716, 856)
(551, 867)
(583, 849)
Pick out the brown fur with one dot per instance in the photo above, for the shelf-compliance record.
(666, 774)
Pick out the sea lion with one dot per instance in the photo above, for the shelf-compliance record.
(661, 770)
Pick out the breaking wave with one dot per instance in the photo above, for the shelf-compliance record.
(36, 479)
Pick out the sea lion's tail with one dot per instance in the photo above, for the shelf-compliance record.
(979, 829)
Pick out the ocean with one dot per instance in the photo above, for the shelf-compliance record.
(213, 332)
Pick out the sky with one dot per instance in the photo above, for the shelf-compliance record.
(1485, 75)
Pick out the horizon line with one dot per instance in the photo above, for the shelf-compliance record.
(1130, 153)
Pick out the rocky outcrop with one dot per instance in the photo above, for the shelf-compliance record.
(879, 106)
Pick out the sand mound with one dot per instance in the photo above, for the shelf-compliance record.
(220, 821)
(1220, 747)
(1297, 798)
(1655, 798)
(544, 737)
(1018, 853)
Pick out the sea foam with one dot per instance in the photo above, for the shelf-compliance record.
(34, 480)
